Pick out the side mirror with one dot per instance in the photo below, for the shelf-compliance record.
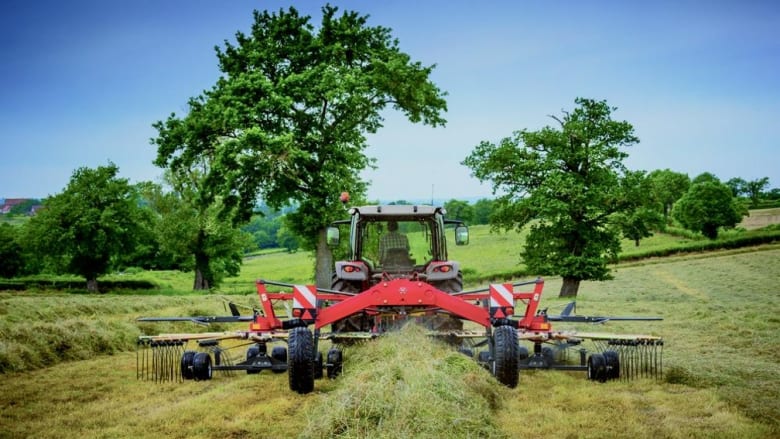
(461, 235)
(332, 236)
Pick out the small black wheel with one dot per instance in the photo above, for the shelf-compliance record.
(612, 362)
(597, 368)
(335, 362)
(522, 353)
(466, 351)
(251, 353)
(201, 366)
(505, 363)
(279, 353)
(186, 365)
(318, 365)
(300, 360)
(548, 354)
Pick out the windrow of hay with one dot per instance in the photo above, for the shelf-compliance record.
(39, 331)
(406, 384)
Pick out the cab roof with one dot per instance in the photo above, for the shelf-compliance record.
(396, 210)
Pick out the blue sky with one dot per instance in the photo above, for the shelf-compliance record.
(81, 82)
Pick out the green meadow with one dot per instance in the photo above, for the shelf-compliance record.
(68, 360)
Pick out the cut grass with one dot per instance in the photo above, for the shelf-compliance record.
(406, 385)
(721, 361)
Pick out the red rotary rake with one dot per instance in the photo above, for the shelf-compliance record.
(387, 305)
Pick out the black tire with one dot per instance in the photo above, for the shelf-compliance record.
(612, 361)
(522, 353)
(318, 365)
(335, 362)
(279, 353)
(252, 352)
(186, 365)
(505, 363)
(300, 360)
(454, 285)
(344, 285)
(548, 354)
(201, 366)
(597, 368)
(355, 323)
(466, 351)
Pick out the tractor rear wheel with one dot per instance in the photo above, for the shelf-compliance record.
(505, 353)
(454, 285)
(300, 360)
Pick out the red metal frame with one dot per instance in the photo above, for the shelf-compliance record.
(483, 308)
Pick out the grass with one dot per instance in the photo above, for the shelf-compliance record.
(721, 361)
(405, 385)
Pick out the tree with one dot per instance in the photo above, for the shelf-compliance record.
(706, 207)
(639, 222)
(565, 182)
(287, 240)
(11, 254)
(461, 210)
(667, 187)
(191, 231)
(88, 227)
(737, 186)
(755, 188)
(483, 208)
(705, 177)
(288, 118)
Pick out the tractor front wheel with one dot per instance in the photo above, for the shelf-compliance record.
(505, 356)
(300, 360)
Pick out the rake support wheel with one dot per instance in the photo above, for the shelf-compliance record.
(186, 365)
(300, 360)
(201, 366)
(597, 368)
(505, 356)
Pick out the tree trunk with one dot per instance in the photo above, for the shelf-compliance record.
(636, 242)
(201, 283)
(324, 264)
(570, 287)
(201, 272)
(92, 285)
(202, 260)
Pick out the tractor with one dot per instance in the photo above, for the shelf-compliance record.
(394, 269)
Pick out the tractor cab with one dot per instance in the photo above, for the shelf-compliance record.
(395, 241)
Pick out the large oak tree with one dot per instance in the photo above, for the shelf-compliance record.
(89, 227)
(287, 119)
(565, 181)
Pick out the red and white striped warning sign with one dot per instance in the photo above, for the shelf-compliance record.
(501, 295)
(304, 296)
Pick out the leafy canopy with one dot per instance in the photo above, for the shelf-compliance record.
(288, 117)
(707, 206)
(88, 227)
(565, 182)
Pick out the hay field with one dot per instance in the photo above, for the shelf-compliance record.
(722, 369)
